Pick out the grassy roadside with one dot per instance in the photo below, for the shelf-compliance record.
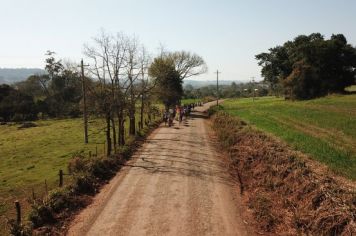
(324, 128)
(30, 156)
(284, 193)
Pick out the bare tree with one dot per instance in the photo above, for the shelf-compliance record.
(132, 72)
(118, 64)
(108, 58)
(147, 84)
(187, 64)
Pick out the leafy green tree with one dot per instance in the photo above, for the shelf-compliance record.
(310, 66)
(61, 89)
(169, 87)
(53, 67)
(16, 106)
(32, 86)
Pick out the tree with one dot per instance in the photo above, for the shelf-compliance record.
(302, 83)
(108, 59)
(119, 64)
(16, 106)
(170, 69)
(53, 67)
(187, 64)
(310, 66)
(32, 86)
(169, 88)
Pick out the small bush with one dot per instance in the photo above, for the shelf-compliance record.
(59, 199)
(102, 168)
(84, 184)
(18, 229)
(77, 164)
(41, 214)
(126, 152)
(227, 128)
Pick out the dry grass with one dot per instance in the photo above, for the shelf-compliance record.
(286, 194)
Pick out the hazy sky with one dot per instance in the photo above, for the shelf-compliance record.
(226, 33)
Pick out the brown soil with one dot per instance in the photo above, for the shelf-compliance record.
(175, 185)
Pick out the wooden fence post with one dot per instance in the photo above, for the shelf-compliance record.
(60, 178)
(18, 212)
(46, 187)
(33, 194)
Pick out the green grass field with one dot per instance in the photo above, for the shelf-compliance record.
(30, 156)
(324, 128)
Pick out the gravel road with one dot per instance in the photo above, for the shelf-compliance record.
(175, 185)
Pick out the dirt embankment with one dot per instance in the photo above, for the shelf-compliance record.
(288, 193)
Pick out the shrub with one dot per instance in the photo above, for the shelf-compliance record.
(59, 199)
(102, 168)
(84, 184)
(18, 229)
(227, 128)
(77, 164)
(41, 214)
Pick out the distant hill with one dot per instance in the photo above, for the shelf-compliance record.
(202, 83)
(13, 75)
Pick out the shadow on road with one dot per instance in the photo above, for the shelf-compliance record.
(174, 163)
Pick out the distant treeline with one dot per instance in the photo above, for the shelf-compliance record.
(248, 89)
(54, 94)
(310, 66)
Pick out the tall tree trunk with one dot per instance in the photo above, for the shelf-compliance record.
(132, 120)
(149, 112)
(121, 128)
(132, 109)
(108, 136)
(114, 133)
(142, 109)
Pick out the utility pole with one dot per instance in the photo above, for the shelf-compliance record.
(85, 115)
(253, 87)
(217, 87)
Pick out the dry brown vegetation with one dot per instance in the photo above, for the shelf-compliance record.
(288, 193)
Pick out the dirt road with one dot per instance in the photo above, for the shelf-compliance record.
(175, 185)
